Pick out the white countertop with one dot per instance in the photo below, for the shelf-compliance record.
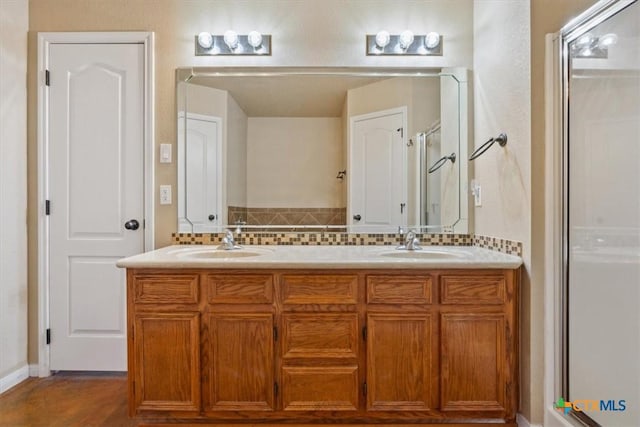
(322, 256)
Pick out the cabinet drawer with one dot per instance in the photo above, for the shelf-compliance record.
(319, 289)
(166, 289)
(393, 289)
(320, 335)
(463, 289)
(240, 289)
(320, 389)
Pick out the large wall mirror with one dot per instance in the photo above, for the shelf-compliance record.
(331, 149)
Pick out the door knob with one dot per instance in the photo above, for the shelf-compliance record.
(212, 217)
(132, 224)
(357, 217)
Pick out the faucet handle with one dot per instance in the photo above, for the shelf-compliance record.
(400, 230)
(239, 225)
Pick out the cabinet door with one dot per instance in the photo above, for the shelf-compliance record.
(474, 368)
(239, 376)
(400, 371)
(167, 368)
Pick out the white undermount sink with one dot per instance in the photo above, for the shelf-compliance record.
(215, 253)
(423, 254)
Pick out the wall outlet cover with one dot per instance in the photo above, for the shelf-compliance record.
(165, 194)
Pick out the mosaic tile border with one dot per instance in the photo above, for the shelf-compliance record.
(341, 239)
(510, 247)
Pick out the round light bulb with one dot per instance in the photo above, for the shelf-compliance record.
(406, 38)
(607, 40)
(231, 39)
(205, 40)
(432, 40)
(383, 38)
(584, 40)
(254, 38)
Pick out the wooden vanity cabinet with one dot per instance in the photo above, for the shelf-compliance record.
(325, 346)
(320, 344)
(402, 372)
(164, 343)
(238, 343)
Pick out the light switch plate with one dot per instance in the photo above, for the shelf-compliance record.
(165, 194)
(165, 153)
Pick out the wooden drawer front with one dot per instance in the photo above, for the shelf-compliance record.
(320, 335)
(394, 289)
(473, 289)
(166, 289)
(240, 289)
(320, 389)
(319, 289)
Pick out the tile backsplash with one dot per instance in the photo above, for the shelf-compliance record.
(287, 216)
(332, 238)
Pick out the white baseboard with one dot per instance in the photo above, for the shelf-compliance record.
(34, 370)
(523, 422)
(14, 378)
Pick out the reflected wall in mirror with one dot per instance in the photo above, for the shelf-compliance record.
(325, 149)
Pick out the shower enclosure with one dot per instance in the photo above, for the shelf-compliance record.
(601, 215)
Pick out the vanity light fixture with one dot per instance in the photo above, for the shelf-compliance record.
(590, 46)
(405, 43)
(232, 43)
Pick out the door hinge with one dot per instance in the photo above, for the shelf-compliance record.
(275, 388)
(46, 77)
(364, 388)
(402, 205)
(364, 333)
(47, 207)
(401, 130)
(275, 333)
(48, 336)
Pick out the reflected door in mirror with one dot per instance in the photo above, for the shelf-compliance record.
(377, 192)
(199, 148)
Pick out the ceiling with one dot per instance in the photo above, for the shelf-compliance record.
(288, 96)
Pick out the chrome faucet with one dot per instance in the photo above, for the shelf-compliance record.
(410, 241)
(229, 242)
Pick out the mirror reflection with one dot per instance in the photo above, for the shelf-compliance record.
(301, 150)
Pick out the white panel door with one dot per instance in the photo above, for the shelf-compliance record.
(377, 190)
(96, 177)
(200, 181)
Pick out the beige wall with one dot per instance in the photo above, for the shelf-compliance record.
(306, 175)
(13, 186)
(502, 103)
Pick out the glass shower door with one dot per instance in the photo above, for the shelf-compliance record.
(603, 220)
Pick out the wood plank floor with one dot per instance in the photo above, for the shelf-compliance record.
(73, 399)
(67, 399)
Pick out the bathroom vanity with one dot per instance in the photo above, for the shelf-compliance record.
(363, 334)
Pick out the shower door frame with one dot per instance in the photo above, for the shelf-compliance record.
(592, 17)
